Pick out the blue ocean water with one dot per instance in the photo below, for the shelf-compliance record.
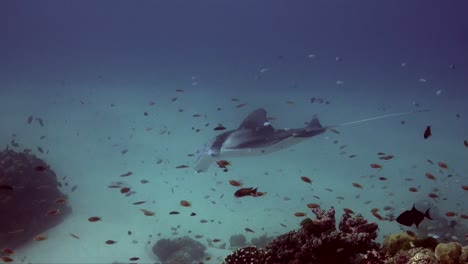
(156, 77)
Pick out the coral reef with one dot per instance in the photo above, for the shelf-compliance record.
(237, 241)
(412, 256)
(183, 250)
(318, 241)
(396, 242)
(404, 249)
(251, 255)
(28, 194)
(448, 253)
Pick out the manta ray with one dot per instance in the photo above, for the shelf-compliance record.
(256, 136)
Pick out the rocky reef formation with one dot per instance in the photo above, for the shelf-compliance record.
(317, 241)
(402, 248)
(183, 250)
(30, 199)
(237, 241)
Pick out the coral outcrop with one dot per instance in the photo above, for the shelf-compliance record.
(183, 250)
(237, 241)
(30, 199)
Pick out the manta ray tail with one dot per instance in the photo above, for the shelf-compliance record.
(377, 117)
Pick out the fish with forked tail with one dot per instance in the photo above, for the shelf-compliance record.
(413, 216)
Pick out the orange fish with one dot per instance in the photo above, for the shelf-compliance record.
(60, 201)
(357, 185)
(306, 179)
(433, 195)
(463, 216)
(94, 219)
(348, 211)
(53, 212)
(147, 213)
(377, 215)
(464, 187)
(235, 183)
(223, 163)
(450, 214)
(124, 190)
(110, 242)
(300, 214)
(313, 205)
(185, 203)
(40, 238)
(375, 166)
(410, 233)
(443, 165)
(7, 251)
(430, 176)
(6, 259)
(382, 178)
(412, 189)
(465, 142)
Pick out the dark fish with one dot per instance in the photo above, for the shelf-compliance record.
(14, 143)
(219, 127)
(30, 119)
(39, 120)
(249, 230)
(6, 187)
(110, 242)
(413, 216)
(126, 174)
(41, 168)
(94, 218)
(427, 132)
(465, 142)
(246, 192)
(139, 202)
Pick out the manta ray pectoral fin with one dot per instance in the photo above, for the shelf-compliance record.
(314, 123)
(254, 120)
